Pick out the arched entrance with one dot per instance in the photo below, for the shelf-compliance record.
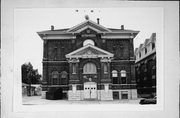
(90, 91)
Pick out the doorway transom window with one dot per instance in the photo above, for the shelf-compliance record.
(89, 68)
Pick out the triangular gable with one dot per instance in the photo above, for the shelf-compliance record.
(89, 51)
(88, 24)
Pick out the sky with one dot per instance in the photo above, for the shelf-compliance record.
(28, 46)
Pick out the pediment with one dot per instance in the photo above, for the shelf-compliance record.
(88, 24)
(89, 51)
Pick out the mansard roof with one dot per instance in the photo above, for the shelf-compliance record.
(136, 50)
(153, 37)
(146, 42)
(89, 51)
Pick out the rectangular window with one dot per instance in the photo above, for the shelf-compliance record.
(153, 46)
(55, 81)
(115, 80)
(124, 95)
(63, 81)
(115, 95)
(123, 80)
(74, 68)
(145, 50)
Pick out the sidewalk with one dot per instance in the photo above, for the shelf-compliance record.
(37, 100)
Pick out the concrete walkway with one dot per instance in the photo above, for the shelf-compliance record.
(37, 100)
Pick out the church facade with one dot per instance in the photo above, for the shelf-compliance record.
(88, 62)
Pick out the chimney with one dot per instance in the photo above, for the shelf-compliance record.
(52, 27)
(122, 27)
(97, 20)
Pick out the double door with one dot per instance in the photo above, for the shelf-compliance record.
(90, 90)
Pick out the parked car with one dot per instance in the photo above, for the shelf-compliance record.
(148, 101)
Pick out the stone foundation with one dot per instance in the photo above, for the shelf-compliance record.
(101, 95)
(132, 93)
(78, 95)
(105, 95)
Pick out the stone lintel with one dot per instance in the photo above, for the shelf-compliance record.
(106, 80)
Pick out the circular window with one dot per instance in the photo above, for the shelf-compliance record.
(87, 42)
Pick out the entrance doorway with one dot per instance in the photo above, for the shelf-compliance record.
(90, 90)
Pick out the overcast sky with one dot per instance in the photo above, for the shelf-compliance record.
(28, 46)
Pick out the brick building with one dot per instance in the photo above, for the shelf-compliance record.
(145, 67)
(89, 61)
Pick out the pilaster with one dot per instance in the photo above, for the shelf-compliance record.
(105, 76)
(73, 77)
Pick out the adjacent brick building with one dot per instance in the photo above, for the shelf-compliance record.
(146, 67)
(89, 61)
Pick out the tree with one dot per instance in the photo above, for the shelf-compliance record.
(30, 75)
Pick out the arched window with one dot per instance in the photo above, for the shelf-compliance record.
(55, 74)
(105, 68)
(123, 77)
(88, 41)
(114, 73)
(89, 68)
(114, 77)
(63, 80)
(55, 77)
(74, 68)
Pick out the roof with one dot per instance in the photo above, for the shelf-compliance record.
(136, 50)
(146, 42)
(153, 37)
(123, 31)
(87, 24)
(140, 46)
